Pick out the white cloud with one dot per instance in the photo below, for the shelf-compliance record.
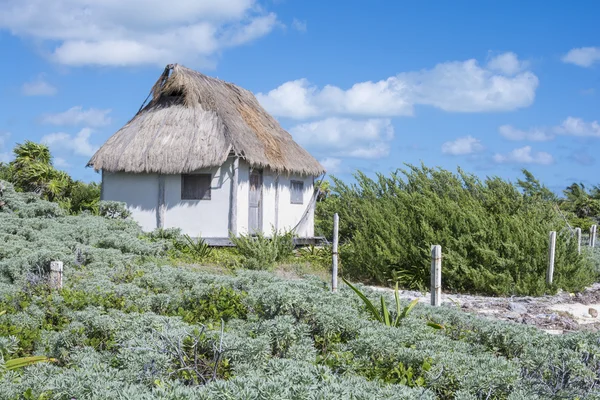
(78, 116)
(299, 99)
(332, 165)
(458, 86)
(462, 146)
(78, 144)
(583, 56)
(578, 127)
(133, 32)
(507, 63)
(60, 162)
(38, 87)
(299, 25)
(342, 137)
(524, 155)
(534, 134)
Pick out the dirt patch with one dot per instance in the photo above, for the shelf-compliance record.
(561, 313)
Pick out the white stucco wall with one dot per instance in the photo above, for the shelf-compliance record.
(210, 218)
(206, 218)
(139, 191)
(289, 214)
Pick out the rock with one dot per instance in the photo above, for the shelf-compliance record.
(513, 315)
(517, 308)
(593, 312)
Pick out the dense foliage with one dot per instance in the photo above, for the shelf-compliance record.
(494, 236)
(125, 325)
(32, 171)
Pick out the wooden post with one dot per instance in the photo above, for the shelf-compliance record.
(233, 199)
(436, 275)
(160, 210)
(551, 251)
(593, 236)
(334, 253)
(578, 236)
(56, 272)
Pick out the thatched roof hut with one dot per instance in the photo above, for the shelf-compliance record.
(194, 121)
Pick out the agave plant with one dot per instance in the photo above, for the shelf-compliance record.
(384, 316)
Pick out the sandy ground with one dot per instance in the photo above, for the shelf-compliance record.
(561, 313)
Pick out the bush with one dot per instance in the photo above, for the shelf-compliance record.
(494, 238)
(261, 252)
(113, 209)
(125, 325)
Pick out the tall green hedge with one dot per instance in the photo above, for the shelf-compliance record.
(494, 238)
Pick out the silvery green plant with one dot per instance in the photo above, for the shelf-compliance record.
(108, 326)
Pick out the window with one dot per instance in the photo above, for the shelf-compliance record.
(297, 192)
(195, 186)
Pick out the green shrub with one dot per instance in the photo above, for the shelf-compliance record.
(494, 238)
(261, 252)
(113, 209)
(125, 325)
(195, 250)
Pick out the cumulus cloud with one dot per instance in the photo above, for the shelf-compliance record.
(578, 127)
(462, 146)
(583, 56)
(60, 162)
(38, 87)
(78, 116)
(133, 32)
(343, 137)
(78, 144)
(533, 135)
(457, 86)
(507, 63)
(524, 155)
(300, 100)
(332, 165)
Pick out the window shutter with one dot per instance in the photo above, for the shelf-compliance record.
(195, 186)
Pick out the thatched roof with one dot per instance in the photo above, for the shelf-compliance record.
(194, 121)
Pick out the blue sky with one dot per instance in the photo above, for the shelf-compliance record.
(492, 87)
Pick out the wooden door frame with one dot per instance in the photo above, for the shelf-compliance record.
(260, 200)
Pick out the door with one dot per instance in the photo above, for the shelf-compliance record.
(255, 202)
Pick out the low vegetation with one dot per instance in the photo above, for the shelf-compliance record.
(129, 324)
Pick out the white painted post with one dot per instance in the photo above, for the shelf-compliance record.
(593, 236)
(334, 253)
(161, 209)
(436, 275)
(551, 251)
(578, 235)
(56, 273)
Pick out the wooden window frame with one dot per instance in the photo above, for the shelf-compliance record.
(292, 183)
(199, 180)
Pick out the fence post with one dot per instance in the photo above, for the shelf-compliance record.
(578, 235)
(436, 274)
(551, 250)
(334, 253)
(593, 236)
(56, 273)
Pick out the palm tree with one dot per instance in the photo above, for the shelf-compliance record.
(33, 170)
(580, 202)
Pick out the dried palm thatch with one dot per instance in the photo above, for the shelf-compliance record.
(194, 121)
